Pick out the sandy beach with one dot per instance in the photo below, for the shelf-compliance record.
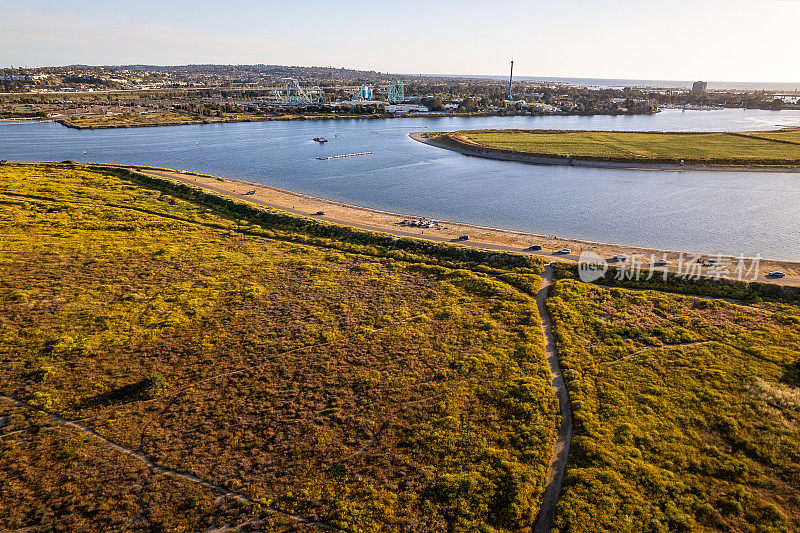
(447, 231)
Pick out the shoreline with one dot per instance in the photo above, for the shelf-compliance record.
(72, 125)
(519, 157)
(446, 231)
(68, 123)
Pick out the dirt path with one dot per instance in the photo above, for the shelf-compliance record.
(161, 469)
(558, 464)
(664, 347)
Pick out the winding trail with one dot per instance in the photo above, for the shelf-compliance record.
(161, 469)
(558, 463)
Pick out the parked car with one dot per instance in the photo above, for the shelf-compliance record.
(463, 237)
(777, 274)
(564, 251)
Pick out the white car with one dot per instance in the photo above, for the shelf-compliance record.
(564, 251)
(620, 257)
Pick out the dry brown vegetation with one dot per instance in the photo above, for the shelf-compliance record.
(359, 390)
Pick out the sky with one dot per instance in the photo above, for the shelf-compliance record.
(717, 40)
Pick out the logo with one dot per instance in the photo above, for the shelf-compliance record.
(591, 267)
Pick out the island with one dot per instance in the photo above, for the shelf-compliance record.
(757, 150)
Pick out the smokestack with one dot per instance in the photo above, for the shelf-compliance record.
(510, 80)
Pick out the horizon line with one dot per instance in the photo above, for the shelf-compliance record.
(423, 74)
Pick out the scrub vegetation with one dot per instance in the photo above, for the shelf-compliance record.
(282, 373)
(182, 117)
(686, 411)
(359, 381)
(779, 148)
(659, 280)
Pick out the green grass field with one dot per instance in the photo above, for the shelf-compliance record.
(786, 136)
(703, 148)
(311, 373)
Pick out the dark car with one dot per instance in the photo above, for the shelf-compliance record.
(320, 213)
(535, 247)
(463, 238)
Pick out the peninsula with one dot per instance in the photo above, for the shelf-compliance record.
(758, 150)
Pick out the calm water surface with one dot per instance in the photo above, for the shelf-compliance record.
(712, 212)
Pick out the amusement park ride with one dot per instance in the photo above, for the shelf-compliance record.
(291, 93)
(397, 92)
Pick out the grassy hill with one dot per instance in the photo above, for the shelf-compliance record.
(344, 377)
(780, 148)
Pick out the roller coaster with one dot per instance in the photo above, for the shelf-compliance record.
(396, 92)
(292, 94)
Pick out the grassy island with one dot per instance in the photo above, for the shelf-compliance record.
(751, 149)
(182, 118)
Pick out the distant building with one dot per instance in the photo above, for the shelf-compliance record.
(788, 98)
(400, 109)
(699, 87)
(364, 93)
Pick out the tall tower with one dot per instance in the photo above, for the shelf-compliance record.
(511, 80)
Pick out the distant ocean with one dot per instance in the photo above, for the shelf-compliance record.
(666, 84)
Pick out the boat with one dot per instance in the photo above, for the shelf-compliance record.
(321, 139)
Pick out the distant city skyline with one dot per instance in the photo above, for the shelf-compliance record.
(711, 40)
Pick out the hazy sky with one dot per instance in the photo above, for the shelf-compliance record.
(722, 40)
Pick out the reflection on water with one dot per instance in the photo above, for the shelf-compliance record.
(714, 212)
